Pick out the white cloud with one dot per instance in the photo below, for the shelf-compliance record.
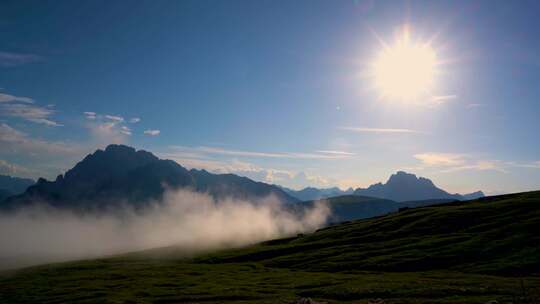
(451, 162)
(30, 113)
(152, 132)
(479, 165)
(16, 141)
(443, 98)
(7, 168)
(441, 159)
(24, 108)
(529, 164)
(90, 115)
(257, 154)
(114, 118)
(377, 130)
(107, 129)
(8, 59)
(336, 152)
(108, 133)
(134, 120)
(125, 130)
(193, 221)
(12, 98)
(286, 178)
(47, 158)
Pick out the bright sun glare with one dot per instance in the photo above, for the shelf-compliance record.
(405, 70)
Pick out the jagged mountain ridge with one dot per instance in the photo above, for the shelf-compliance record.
(120, 174)
(403, 186)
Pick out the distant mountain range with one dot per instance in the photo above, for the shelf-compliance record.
(10, 185)
(120, 174)
(311, 193)
(404, 186)
(400, 187)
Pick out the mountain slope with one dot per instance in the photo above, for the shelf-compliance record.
(404, 186)
(120, 174)
(10, 185)
(463, 252)
(488, 235)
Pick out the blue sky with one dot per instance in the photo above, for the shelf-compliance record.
(272, 90)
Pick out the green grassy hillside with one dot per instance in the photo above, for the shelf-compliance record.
(470, 252)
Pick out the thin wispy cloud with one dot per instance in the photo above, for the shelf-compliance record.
(529, 164)
(258, 154)
(380, 130)
(7, 168)
(15, 142)
(106, 128)
(8, 59)
(334, 152)
(125, 130)
(12, 98)
(26, 109)
(114, 118)
(453, 162)
(30, 112)
(443, 98)
(441, 159)
(90, 115)
(243, 168)
(152, 132)
(134, 120)
(474, 105)
(479, 165)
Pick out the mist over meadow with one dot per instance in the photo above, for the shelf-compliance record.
(192, 221)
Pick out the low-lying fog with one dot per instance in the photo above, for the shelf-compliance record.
(194, 221)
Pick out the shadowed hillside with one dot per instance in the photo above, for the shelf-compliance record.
(462, 252)
(354, 207)
(491, 235)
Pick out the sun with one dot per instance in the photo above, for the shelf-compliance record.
(406, 70)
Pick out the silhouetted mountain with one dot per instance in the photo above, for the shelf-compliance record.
(122, 175)
(311, 193)
(404, 186)
(10, 185)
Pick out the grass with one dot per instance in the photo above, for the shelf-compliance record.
(471, 252)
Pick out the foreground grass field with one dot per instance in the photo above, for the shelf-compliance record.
(472, 252)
